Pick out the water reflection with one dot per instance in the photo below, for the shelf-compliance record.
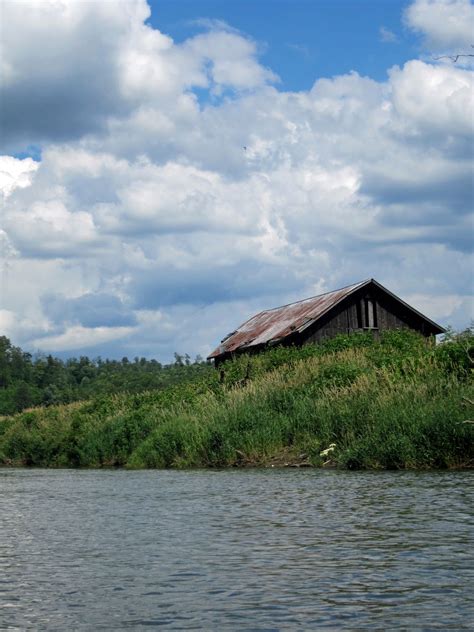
(254, 550)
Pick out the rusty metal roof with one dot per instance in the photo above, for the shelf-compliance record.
(272, 325)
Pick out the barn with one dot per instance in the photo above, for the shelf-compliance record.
(364, 306)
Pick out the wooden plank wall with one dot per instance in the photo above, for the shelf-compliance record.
(346, 321)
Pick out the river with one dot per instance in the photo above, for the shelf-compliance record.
(236, 550)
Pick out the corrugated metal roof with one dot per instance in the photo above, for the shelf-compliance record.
(275, 324)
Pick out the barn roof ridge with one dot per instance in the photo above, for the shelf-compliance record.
(309, 298)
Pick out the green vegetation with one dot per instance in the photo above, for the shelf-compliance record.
(396, 402)
(42, 381)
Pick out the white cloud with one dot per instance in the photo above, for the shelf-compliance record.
(81, 337)
(15, 173)
(232, 60)
(7, 319)
(443, 307)
(387, 36)
(434, 98)
(69, 66)
(182, 218)
(446, 24)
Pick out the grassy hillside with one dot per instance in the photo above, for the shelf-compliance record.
(353, 402)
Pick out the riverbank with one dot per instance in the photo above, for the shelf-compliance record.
(354, 403)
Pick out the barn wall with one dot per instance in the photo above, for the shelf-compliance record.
(349, 319)
(343, 322)
(388, 319)
(395, 315)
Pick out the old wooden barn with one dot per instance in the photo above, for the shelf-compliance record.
(364, 306)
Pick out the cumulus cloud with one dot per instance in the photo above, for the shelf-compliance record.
(156, 222)
(447, 25)
(79, 337)
(61, 66)
(15, 173)
(434, 100)
(68, 67)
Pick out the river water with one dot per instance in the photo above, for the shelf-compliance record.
(236, 550)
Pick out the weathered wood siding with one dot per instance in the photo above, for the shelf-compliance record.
(388, 319)
(345, 321)
(352, 317)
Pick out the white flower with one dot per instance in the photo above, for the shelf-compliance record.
(331, 448)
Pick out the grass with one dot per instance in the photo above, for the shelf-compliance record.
(394, 403)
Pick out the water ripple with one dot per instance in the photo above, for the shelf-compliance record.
(236, 550)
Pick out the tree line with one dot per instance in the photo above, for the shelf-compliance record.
(28, 380)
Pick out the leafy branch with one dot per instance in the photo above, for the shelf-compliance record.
(454, 58)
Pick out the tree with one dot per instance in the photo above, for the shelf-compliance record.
(51, 395)
(23, 396)
(5, 373)
(178, 359)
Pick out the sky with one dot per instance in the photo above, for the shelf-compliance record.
(170, 168)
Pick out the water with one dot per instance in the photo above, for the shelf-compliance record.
(236, 550)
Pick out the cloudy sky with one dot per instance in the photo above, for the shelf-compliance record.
(169, 168)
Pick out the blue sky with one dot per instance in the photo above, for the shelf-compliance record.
(301, 40)
(133, 220)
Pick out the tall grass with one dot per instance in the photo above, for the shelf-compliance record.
(392, 403)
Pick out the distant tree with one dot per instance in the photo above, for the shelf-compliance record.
(23, 396)
(178, 359)
(51, 395)
(27, 380)
(5, 372)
